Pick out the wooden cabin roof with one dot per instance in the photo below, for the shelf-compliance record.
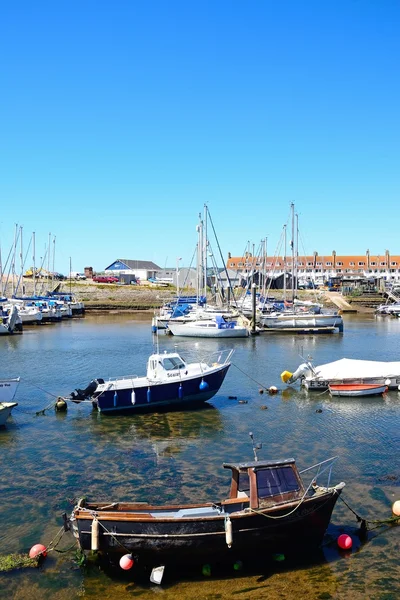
(259, 464)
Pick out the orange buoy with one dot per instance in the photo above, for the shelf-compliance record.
(36, 550)
(344, 541)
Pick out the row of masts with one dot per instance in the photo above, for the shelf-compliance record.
(8, 271)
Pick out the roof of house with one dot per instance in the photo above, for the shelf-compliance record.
(124, 263)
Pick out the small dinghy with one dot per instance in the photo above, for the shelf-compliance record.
(357, 389)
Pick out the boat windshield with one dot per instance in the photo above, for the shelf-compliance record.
(172, 363)
(279, 480)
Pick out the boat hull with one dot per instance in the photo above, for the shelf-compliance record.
(182, 391)
(356, 390)
(8, 388)
(205, 332)
(299, 321)
(161, 541)
(5, 411)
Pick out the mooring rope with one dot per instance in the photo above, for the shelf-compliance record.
(252, 379)
(366, 522)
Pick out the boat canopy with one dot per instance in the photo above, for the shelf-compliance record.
(349, 368)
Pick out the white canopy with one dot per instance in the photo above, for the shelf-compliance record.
(347, 368)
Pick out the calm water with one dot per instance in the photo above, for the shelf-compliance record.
(48, 460)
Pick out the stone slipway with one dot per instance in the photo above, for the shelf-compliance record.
(338, 300)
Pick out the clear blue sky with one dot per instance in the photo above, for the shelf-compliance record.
(120, 119)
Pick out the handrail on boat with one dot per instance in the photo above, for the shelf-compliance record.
(329, 464)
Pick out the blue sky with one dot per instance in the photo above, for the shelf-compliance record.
(119, 120)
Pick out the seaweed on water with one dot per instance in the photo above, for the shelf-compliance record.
(9, 562)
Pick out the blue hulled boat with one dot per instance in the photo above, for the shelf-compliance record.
(169, 381)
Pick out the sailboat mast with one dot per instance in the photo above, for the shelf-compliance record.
(292, 247)
(284, 262)
(205, 252)
(34, 264)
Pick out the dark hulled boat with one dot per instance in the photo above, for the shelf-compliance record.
(269, 510)
(170, 381)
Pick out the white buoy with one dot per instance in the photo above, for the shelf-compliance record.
(396, 508)
(228, 532)
(133, 397)
(95, 534)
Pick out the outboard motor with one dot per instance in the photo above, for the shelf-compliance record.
(302, 371)
(78, 395)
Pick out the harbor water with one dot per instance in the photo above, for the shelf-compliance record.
(51, 458)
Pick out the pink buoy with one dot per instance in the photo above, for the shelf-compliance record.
(36, 550)
(344, 541)
(396, 508)
(126, 562)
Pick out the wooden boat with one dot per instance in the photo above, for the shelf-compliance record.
(170, 381)
(269, 509)
(357, 389)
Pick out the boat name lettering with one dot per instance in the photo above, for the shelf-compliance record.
(172, 374)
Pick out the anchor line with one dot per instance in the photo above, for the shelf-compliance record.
(247, 375)
(366, 522)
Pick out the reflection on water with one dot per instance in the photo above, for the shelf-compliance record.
(50, 459)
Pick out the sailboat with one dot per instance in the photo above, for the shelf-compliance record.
(293, 317)
(185, 309)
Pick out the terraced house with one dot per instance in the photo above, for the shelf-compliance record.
(319, 268)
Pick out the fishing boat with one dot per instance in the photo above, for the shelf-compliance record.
(217, 327)
(345, 371)
(270, 508)
(169, 381)
(357, 389)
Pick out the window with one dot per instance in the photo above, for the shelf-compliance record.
(319, 264)
(231, 264)
(172, 363)
(244, 483)
(383, 264)
(352, 264)
(310, 264)
(339, 263)
(278, 480)
(361, 264)
(373, 264)
(240, 264)
(393, 264)
(328, 264)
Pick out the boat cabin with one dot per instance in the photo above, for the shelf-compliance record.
(165, 366)
(265, 483)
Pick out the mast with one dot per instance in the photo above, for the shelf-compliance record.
(205, 252)
(284, 262)
(34, 264)
(292, 248)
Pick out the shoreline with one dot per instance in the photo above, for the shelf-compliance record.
(147, 299)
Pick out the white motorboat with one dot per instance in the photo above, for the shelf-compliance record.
(217, 327)
(345, 371)
(302, 320)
